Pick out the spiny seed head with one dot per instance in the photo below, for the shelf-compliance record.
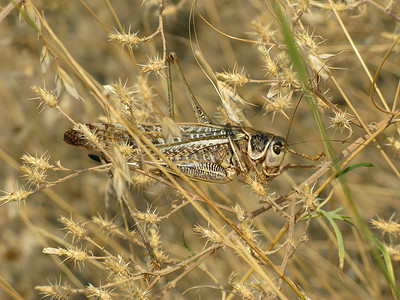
(143, 89)
(262, 31)
(55, 291)
(393, 251)
(98, 292)
(118, 266)
(211, 236)
(88, 134)
(16, 196)
(305, 40)
(277, 102)
(393, 142)
(41, 163)
(78, 256)
(126, 150)
(34, 176)
(124, 96)
(77, 230)
(309, 48)
(341, 121)
(256, 186)
(270, 65)
(306, 195)
(154, 65)
(248, 230)
(243, 290)
(126, 39)
(283, 59)
(302, 6)
(263, 290)
(134, 291)
(149, 217)
(161, 255)
(234, 78)
(318, 62)
(387, 227)
(287, 77)
(154, 237)
(107, 225)
(46, 97)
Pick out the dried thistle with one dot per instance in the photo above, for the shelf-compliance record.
(394, 143)
(18, 196)
(89, 135)
(78, 256)
(307, 196)
(393, 251)
(154, 237)
(98, 292)
(256, 186)
(127, 150)
(243, 290)
(46, 97)
(149, 217)
(262, 31)
(77, 230)
(276, 101)
(309, 48)
(261, 289)
(126, 39)
(248, 230)
(106, 225)
(212, 237)
(386, 227)
(341, 121)
(234, 78)
(55, 291)
(34, 176)
(118, 267)
(244, 226)
(270, 65)
(302, 7)
(35, 169)
(41, 163)
(124, 95)
(154, 65)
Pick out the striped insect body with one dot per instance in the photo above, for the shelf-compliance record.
(203, 151)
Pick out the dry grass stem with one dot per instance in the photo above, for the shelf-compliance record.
(146, 216)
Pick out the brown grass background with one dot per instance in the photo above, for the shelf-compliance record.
(27, 228)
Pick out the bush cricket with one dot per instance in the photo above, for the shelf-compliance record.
(204, 151)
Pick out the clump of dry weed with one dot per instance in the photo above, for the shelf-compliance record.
(133, 232)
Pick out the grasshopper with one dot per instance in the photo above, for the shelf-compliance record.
(204, 151)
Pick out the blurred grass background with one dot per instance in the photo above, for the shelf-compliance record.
(26, 229)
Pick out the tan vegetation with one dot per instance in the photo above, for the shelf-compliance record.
(71, 227)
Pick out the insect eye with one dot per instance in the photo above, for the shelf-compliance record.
(277, 149)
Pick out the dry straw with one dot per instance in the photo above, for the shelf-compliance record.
(135, 226)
